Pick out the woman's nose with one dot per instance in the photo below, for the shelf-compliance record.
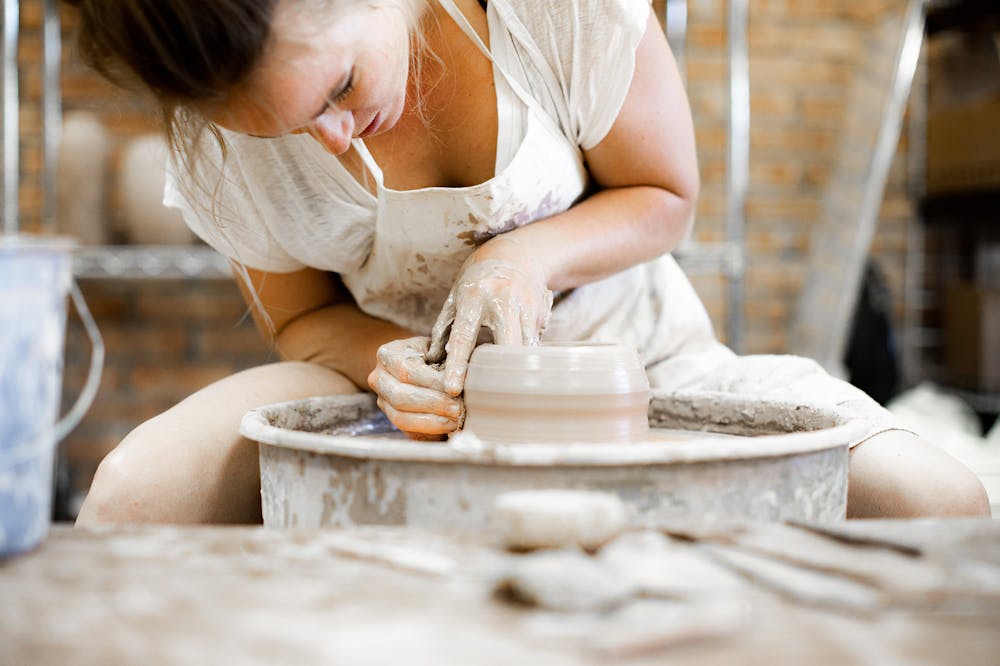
(334, 130)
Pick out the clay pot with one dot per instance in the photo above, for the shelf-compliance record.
(557, 392)
(140, 189)
(84, 148)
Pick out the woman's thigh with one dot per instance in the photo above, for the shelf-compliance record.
(190, 464)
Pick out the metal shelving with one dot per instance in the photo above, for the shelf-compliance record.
(163, 262)
(728, 257)
(922, 342)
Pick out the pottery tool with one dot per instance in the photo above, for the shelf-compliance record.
(533, 519)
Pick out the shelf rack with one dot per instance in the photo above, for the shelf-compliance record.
(728, 257)
(170, 262)
(161, 262)
(919, 339)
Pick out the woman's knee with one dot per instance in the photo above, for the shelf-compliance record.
(116, 494)
(189, 464)
(898, 475)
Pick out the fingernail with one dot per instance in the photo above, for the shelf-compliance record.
(454, 411)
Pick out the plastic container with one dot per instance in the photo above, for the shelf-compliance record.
(557, 392)
(35, 278)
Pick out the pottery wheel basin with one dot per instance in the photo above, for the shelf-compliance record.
(336, 461)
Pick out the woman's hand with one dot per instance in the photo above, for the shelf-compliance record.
(411, 392)
(499, 287)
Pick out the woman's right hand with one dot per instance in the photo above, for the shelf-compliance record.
(411, 392)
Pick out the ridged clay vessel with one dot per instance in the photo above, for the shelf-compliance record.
(557, 392)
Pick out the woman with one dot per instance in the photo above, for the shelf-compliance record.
(389, 176)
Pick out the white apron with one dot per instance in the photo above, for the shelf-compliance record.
(423, 236)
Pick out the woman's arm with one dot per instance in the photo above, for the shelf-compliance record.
(314, 319)
(646, 173)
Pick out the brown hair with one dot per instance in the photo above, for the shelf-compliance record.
(186, 53)
(190, 55)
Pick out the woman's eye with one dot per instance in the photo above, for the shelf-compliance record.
(345, 91)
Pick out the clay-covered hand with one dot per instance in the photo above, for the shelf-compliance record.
(411, 392)
(510, 297)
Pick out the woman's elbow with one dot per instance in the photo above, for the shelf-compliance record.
(676, 211)
(689, 204)
(688, 190)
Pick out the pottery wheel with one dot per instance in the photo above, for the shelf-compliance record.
(337, 461)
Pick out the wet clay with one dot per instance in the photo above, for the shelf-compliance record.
(557, 392)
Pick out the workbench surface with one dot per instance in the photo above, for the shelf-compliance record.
(876, 592)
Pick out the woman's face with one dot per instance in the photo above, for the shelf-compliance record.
(335, 77)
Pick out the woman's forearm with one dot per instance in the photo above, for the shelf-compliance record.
(647, 170)
(608, 232)
(340, 337)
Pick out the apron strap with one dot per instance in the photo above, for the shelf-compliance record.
(519, 32)
(524, 39)
(369, 161)
(463, 23)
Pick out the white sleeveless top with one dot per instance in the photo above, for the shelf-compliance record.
(286, 204)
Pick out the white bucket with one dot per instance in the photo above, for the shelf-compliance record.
(35, 278)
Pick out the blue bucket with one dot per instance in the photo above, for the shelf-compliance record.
(35, 278)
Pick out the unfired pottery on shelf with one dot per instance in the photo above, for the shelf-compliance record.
(557, 392)
(84, 149)
(141, 181)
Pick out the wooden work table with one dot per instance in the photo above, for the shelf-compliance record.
(867, 592)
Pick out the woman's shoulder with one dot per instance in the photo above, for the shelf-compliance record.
(565, 31)
(582, 52)
(591, 13)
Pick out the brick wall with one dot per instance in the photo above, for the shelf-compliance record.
(802, 58)
(803, 55)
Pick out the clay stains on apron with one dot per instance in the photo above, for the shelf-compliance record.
(548, 206)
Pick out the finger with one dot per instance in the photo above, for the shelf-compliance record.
(424, 437)
(410, 398)
(461, 342)
(404, 360)
(428, 424)
(506, 327)
(439, 333)
(531, 332)
(391, 355)
(417, 372)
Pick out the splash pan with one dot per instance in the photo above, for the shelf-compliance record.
(336, 461)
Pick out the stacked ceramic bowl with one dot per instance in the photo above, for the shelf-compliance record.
(557, 392)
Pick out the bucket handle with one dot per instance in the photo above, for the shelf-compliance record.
(76, 413)
(29, 450)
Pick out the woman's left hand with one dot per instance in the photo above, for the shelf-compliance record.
(499, 287)
(411, 392)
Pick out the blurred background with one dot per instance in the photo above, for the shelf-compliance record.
(804, 224)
